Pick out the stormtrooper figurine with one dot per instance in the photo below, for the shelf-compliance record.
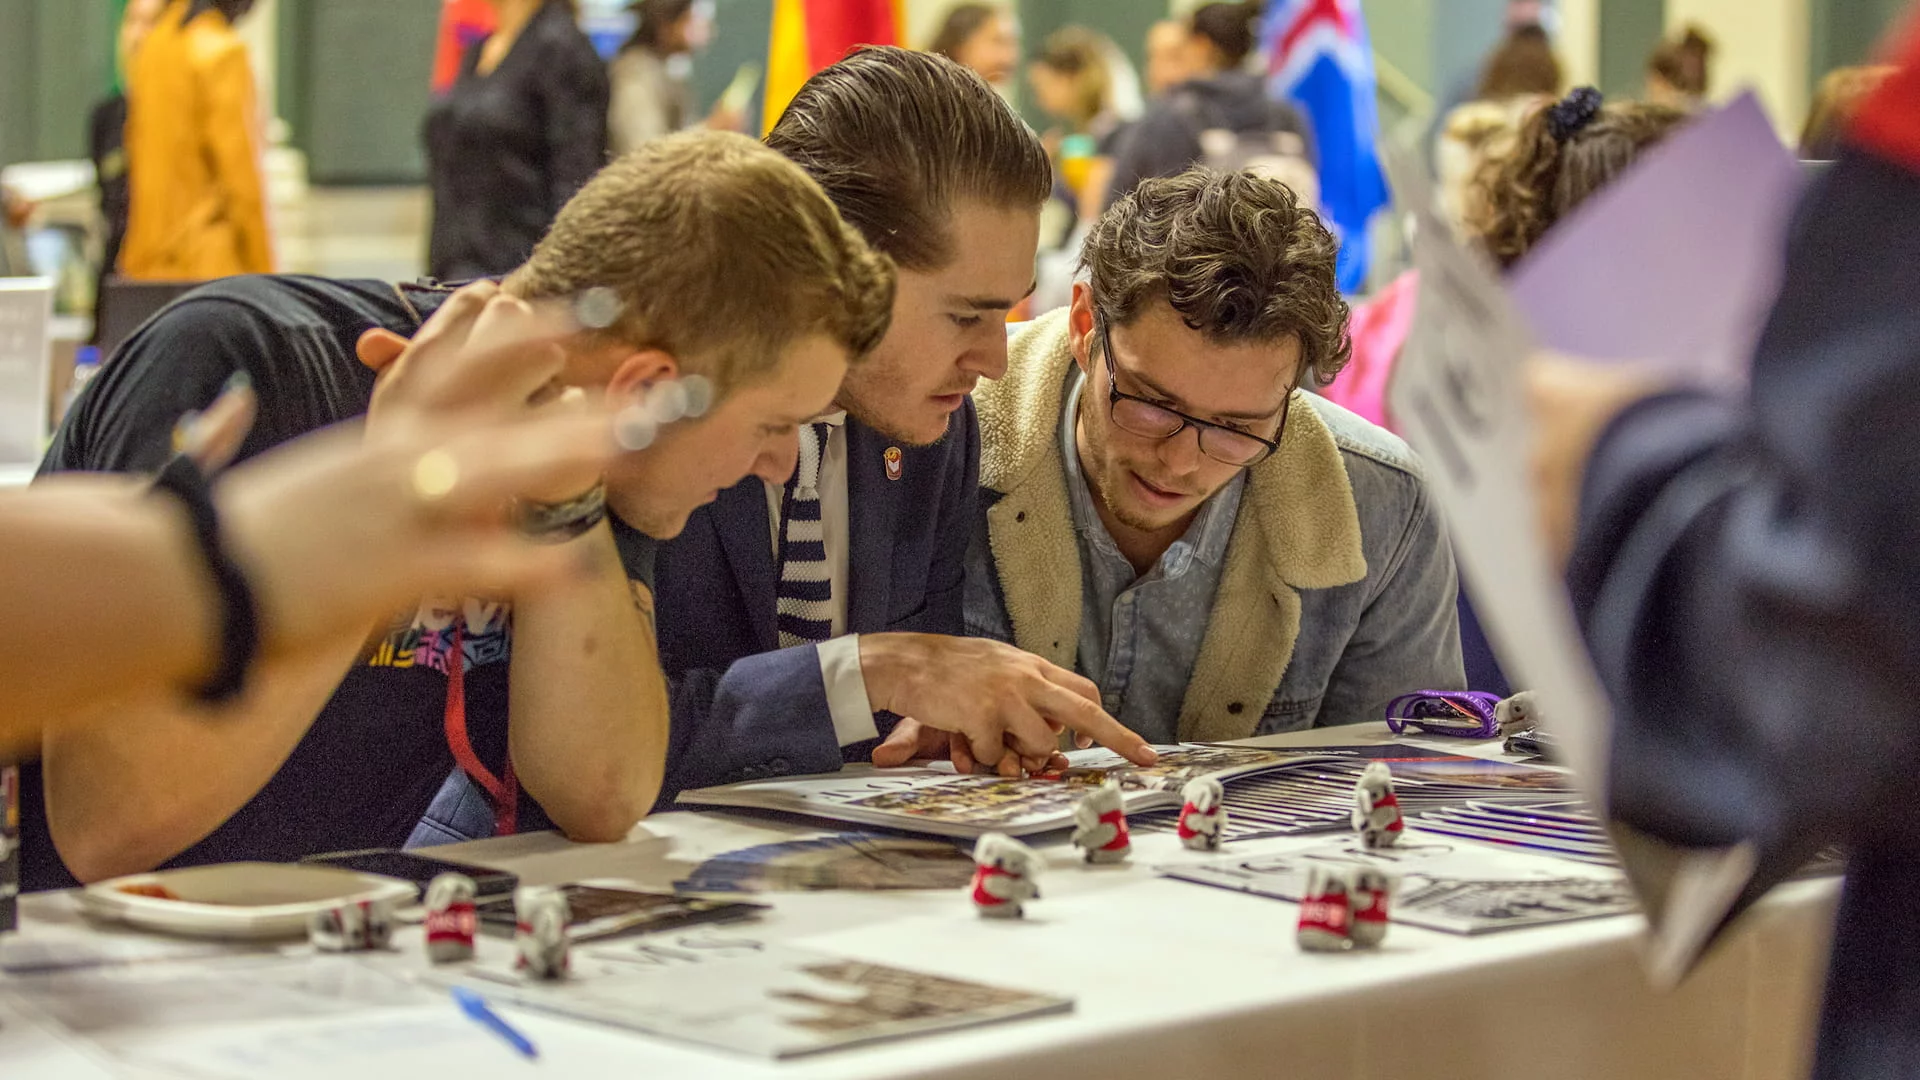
(1003, 873)
(1204, 815)
(1100, 826)
(1376, 809)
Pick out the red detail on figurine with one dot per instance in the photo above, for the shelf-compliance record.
(456, 923)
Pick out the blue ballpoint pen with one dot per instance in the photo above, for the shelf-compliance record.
(475, 1006)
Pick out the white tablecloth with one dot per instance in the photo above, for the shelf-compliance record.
(1175, 980)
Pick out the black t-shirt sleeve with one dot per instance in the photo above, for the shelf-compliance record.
(636, 550)
(177, 363)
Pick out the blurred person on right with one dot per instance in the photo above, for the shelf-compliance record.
(650, 96)
(521, 129)
(1221, 116)
(1744, 571)
(983, 39)
(1170, 511)
(1680, 71)
(1834, 102)
(194, 145)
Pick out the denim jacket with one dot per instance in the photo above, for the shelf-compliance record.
(1338, 589)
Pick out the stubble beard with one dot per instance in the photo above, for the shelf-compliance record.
(860, 409)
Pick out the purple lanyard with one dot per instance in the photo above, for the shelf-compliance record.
(1463, 714)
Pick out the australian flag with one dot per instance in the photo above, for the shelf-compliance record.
(1320, 59)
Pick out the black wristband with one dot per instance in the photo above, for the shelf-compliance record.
(239, 618)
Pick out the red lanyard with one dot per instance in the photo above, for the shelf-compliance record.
(504, 791)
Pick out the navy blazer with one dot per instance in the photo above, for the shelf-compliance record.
(1747, 578)
(743, 707)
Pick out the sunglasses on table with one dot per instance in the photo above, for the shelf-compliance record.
(1138, 416)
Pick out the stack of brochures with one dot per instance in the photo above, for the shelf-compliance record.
(1318, 796)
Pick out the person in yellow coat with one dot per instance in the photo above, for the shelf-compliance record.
(193, 150)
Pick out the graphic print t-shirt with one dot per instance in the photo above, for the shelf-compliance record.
(373, 759)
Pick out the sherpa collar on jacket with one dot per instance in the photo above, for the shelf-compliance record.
(1297, 529)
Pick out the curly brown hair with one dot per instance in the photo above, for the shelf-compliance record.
(1237, 255)
(1517, 196)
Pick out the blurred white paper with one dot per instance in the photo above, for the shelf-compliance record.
(26, 312)
(33, 1051)
(1675, 265)
(1457, 395)
(1459, 398)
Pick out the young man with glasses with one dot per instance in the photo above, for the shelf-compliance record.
(1168, 513)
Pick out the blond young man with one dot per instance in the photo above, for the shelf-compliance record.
(722, 260)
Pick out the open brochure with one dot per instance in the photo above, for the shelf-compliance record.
(757, 998)
(936, 801)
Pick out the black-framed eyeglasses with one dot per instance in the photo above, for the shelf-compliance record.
(1138, 416)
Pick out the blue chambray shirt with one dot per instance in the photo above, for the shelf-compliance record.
(1140, 635)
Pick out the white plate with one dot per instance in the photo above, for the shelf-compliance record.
(246, 901)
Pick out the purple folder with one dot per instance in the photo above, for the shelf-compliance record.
(1676, 263)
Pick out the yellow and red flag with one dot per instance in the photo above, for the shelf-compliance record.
(462, 22)
(811, 34)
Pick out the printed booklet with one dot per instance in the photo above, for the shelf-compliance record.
(935, 800)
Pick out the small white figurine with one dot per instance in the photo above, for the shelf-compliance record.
(1326, 911)
(1372, 890)
(1517, 713)
(540, 932)
(360, 926)
(1376, 809)
(452, 921)
(1204, 815)
(1100, 820)
(1003, 873)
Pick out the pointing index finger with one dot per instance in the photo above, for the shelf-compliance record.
(1088, 719)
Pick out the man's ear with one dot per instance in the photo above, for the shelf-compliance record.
(378, 349)
(1080, 326)
(641, 371)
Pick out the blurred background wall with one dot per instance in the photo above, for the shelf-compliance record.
(349, 77)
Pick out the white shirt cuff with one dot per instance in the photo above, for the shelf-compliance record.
(847, 698)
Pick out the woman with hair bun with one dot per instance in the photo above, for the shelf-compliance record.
(1563, 153)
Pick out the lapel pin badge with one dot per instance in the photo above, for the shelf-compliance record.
(892, 457)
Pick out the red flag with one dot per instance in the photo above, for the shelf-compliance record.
(811, 34)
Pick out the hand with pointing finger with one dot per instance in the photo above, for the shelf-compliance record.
(1001, 707)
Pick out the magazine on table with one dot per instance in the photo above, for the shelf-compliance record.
(936, 800)
(757, 998)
